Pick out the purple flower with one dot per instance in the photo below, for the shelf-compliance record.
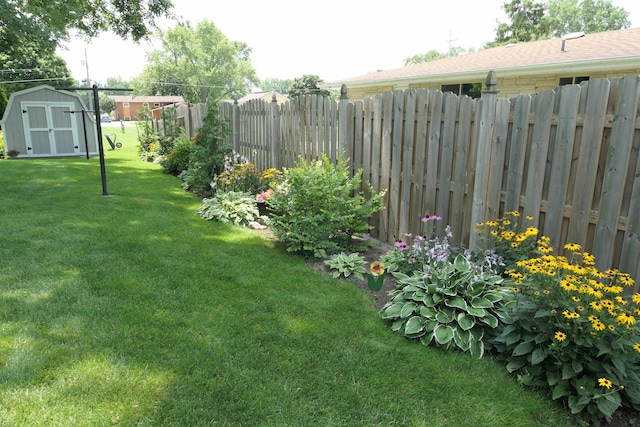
(428, 218)
(401, 245)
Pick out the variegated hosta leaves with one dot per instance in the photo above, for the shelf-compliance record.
(456, 305)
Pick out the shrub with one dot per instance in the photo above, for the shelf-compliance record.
(233, 207)
(177, 160)
(318, 208)
(206, 157)
(347, 265)
(444, 298)
(572, 330)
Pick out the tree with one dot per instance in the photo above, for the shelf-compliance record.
(531, 21)
(527, 23)
(590, 16)
(199, 63)
(107, 104)
(307, 84)
(52, 20)
(279, 85)
(432, 55)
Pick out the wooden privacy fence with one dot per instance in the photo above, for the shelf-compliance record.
(568, 158)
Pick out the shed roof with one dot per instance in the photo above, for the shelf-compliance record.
(599, 51)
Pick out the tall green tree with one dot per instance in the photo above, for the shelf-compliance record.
(432, 55)
(526, 23)
(200, 63)
(307, 84)
(279, 85)
(590, 16)
(530, 20)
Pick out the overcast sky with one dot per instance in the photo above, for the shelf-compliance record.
(333, 39)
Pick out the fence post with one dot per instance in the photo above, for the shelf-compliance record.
(275, 132)
(235, 125)
(343, 122)
(483, 160)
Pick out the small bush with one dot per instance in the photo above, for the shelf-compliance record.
(443, 297)
(233, 207)
(573, 331)
(238, 174)
(346, 265)
(318, 208)
(177, 160)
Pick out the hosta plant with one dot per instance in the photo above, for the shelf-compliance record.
(455, 304)
(343, 264)
(233, 207)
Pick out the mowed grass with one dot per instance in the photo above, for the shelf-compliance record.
(130, 310)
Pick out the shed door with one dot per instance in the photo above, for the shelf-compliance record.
(49, 129)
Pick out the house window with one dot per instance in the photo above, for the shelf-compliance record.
(472, 90)
(125, 104)
(572, 80)
(156, 105)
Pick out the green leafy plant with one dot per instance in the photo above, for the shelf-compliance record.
(347, 265)
(233, 207)
(508, 237)
(207, 155)
(454, 304)
(573, 330)
(238, 174)
(319, 208)
(177, 160)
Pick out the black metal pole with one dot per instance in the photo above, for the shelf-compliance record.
(84, 128)
(96, 108)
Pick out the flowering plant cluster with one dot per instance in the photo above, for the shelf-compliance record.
(574, 330)
(444, 296)
(238, 174)
(508, 237)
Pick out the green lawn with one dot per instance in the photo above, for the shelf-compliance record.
(131, 310)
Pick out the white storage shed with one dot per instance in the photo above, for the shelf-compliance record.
(45, 122)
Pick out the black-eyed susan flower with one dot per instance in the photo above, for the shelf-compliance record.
(636, 347)
(603, 382)
(560, 336)
(625, 319)
(573, 247)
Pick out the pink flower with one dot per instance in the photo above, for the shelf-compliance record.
(428, 218)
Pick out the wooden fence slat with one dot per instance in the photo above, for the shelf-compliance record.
(563, 149)
(498, 153)
(385, 164)
(517, 153)
(376, 145)
(433, 153)
(422, 107)
(396, 163)
(406, 167)
(588, 160)
(620, 145)
(463, 140)
(538, 154)
(449, 116)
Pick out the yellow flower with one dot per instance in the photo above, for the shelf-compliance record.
(376, 269)
(636, 347)
(595, 305)
(626, 319)
(598, 325)
(560, 336)
(603, 382)
(636, 298)
(573, 247)
(529, 217)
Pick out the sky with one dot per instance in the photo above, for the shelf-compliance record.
(333, 39)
